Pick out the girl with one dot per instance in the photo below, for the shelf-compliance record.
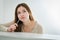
(24, 21)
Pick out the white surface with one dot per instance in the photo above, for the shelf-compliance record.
(26, 36)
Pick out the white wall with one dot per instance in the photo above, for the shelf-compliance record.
(1, 11)
(46, 12)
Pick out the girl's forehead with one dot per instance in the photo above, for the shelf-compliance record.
(21, 8)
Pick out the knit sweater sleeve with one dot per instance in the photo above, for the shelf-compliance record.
(4, 27)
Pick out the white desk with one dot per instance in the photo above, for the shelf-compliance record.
(27, 36)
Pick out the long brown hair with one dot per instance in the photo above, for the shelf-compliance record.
(20, 24)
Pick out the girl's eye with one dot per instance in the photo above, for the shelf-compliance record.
(18, 13)
(24, 11)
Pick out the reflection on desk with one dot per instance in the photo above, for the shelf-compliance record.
(27, 36)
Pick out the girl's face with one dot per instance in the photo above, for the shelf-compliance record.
(23, 14)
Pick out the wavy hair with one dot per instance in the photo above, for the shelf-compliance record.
(20, 24)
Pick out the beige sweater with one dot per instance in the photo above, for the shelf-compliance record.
(36, 29)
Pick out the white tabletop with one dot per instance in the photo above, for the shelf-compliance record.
(27, 36)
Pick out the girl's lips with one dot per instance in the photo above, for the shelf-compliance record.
(22, 17)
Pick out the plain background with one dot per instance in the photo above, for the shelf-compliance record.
(46, 12)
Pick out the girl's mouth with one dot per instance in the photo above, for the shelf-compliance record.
(22, 17)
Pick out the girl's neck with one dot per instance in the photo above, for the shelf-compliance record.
(28, 26)
(27, 23)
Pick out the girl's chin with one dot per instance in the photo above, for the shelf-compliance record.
(23, 20)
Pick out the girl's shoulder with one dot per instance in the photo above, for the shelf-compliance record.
(38, 28)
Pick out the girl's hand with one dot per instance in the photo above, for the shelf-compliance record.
(12, 28)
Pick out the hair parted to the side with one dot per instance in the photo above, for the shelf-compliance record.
(20, 24)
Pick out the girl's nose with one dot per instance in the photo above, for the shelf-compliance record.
(22, 14)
